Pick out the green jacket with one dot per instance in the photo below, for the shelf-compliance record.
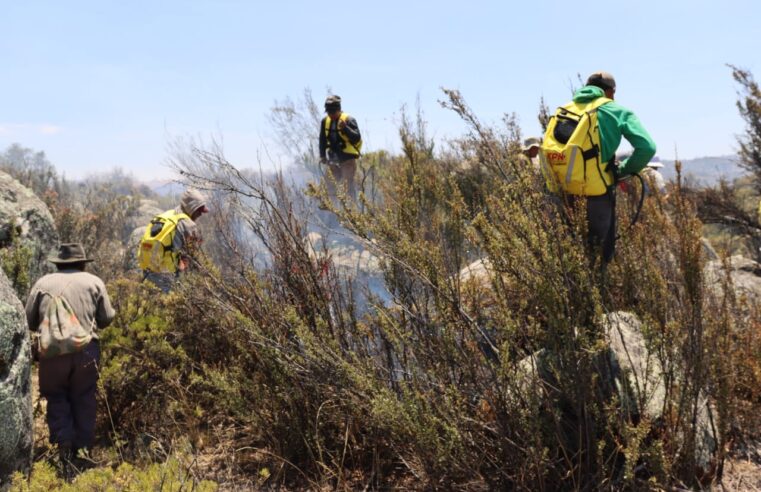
(616, 121)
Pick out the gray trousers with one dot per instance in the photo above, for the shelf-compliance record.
(343, 175)
(68, 383)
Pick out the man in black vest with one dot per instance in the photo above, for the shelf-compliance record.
(340, 143)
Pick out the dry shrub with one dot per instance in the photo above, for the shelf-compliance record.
(271, 358)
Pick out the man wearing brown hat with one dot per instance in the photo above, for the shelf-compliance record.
(184, 238)
(614, 122)
(68, 381)
(530, 150)
(340, 145)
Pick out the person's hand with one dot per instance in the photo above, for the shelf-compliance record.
(35, 347)
(341, 124)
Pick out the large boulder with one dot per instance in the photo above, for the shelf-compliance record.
(27, 232)
(640, 383)
(476, 280)
(633, 377)
(480, 272)
(147, 210)
(744, 273)
(15, 385)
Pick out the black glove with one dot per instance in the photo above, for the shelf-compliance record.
(613, 165)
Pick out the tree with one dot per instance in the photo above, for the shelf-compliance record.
(296, 126)
(749, 105)
(32, 169)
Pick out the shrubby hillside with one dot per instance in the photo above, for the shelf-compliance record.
(446, 331)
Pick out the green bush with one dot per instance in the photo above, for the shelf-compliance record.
(272, 369)
(16, 259)
(172, 475)
(275, 368)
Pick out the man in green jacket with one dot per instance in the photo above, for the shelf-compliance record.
(615, 121)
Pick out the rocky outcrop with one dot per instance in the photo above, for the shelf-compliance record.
(476, 279)
(640, 384)
(147, 210)
(744, 273)
(479, 272)
(26, 224)
(634, 379)
(351, 259)
(15, 385)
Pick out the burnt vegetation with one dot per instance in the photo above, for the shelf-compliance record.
(278, 368)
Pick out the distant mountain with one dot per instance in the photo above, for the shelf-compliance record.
(706, 170)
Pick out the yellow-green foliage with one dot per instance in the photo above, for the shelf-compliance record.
(173, 475)
(279, 367)
(16, 262)
(274, 368)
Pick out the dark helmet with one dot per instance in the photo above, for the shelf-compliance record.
(603, 80)
(332, 103)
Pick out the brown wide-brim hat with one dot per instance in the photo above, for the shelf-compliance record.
(69, 253)
(530, 143)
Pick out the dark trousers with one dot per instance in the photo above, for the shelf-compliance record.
(68, 382)
(601, 223)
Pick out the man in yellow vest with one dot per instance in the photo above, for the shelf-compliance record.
(340, 145)
(169, 239)
(581, 161)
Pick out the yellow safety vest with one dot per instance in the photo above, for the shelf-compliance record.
(570, 153)
(155, 252)
(348, 148)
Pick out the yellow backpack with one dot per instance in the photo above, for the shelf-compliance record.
(155, 250)
(570, 153)
(348, 147)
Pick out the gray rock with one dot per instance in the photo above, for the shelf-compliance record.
(350, 259)
(744, 272)
(633, 375)
(640, 384)
(147, 210)
(131, 247)
(708, 250)
(25, 216)
(15, 385)
(479, 272)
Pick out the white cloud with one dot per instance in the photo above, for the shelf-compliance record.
(50, 129)
(16, 130)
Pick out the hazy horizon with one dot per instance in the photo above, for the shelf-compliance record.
(101, 85)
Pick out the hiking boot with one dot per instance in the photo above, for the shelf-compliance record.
(66, 461)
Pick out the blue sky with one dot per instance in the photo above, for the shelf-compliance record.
(103, 84)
